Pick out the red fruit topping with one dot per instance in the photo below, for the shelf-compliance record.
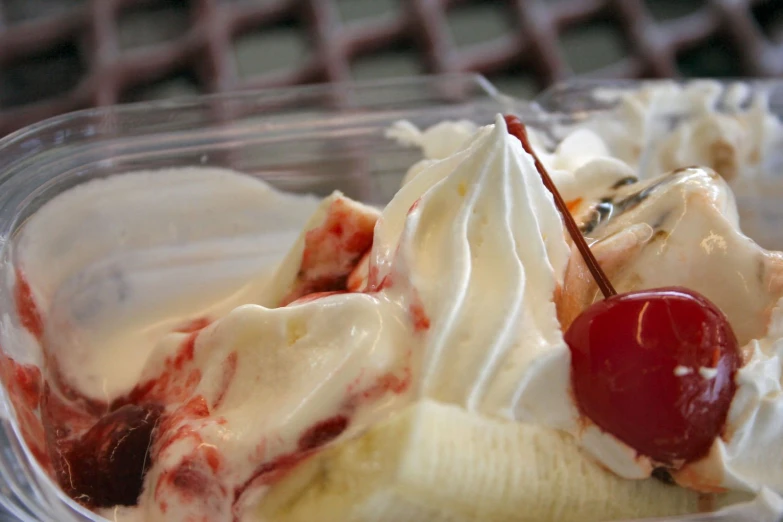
(23, 384)
(229, 370)
(106, 466)
(655, 368)
(21, 379)
(311, 440)
(174, 384)
(28, 312)
(196, 482)
(388, 383)
(271, 472)
(419, 316)
(323, 432)
(194, 325)
(373, 284)
(332, 250)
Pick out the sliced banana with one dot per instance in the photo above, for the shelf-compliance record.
(433, 462)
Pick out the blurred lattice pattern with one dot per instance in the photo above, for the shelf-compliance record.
(61, 55)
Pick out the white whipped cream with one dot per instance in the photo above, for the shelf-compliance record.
(694, 208)
(484, 248)
(497, 323)
(750, 455)
(666, 125)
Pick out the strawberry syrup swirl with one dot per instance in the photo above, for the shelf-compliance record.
(332, 251)
(100, 452)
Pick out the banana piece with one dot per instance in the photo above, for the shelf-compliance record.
(439, 463)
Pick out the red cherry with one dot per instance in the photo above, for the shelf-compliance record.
(106, 466)
(655, 368)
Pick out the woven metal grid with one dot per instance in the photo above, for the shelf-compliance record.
(61, 55)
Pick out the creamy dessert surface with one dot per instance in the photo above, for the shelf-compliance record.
(295, 358)
(667, 125)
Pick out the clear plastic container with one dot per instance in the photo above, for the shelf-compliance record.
(307, 140)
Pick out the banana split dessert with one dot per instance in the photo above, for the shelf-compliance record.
(530, 330)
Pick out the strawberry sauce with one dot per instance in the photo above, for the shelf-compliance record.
(100, 452)
(26, 309)
(332, 251)
(23, 383)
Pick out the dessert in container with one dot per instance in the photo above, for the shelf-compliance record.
(310, 140)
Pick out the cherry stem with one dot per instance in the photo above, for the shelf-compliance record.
(517, 128)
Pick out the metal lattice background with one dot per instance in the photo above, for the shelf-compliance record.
(60, 55)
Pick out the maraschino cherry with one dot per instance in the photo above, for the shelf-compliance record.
(655, 368)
